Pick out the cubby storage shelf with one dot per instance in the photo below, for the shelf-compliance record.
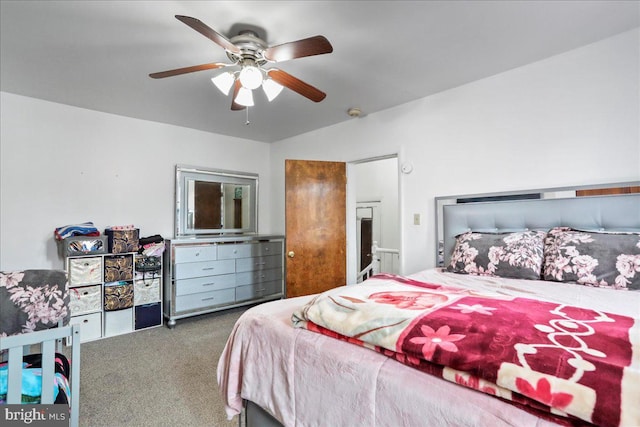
(90, 276)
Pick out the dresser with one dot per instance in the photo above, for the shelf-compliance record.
(207, 274)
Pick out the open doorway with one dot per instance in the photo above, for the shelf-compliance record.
(368, 229)
(374, 215)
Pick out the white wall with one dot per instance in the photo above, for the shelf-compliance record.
(63, 165)
(572, 119)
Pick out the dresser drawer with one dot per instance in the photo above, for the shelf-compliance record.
(205, 299)
(146, 291)
(195, 253)
(253, 277)
(207, 268)
(258, 263)
(90, 326)
(85, 299)
(258, 291)
(247, 250)
(85, 271)
(205, 284)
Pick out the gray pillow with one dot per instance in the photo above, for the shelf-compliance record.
(516, 255)
(610, 260)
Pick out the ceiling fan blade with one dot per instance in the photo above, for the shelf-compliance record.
(235, 106)
(296, 85)
(185, 70)
(317, 45)
(206, 31)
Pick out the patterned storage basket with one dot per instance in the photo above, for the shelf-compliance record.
(122, 241)
(118, 296)
(118, 267)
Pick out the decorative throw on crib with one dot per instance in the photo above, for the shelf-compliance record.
(32, 300)
(547, 358)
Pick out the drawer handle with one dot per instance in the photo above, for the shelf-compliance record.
(266, 249)
(85, 321)
(260, 263)
(208, 284)
(261, 290)
(209, 268)
(207, 299)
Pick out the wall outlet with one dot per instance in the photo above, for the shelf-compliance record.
(416, 219)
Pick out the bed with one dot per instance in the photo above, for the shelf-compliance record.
(304, 362)
(34, 370)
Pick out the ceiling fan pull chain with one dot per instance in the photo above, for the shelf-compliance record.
(247, 122)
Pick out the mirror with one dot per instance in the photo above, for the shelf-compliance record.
(212, 201)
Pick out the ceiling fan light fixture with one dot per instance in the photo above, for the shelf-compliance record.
(224, 81)
(271, 89)
(250, 77)
(244, 97)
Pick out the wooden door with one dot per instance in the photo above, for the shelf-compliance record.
(607, 191)
(366, 241)
(315, 194)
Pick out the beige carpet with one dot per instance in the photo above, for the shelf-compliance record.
(157, 377)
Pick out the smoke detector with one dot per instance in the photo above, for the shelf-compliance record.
(354, 112)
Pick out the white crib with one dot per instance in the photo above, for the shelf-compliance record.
(21, 345)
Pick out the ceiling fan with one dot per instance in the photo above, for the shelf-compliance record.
(249, 54)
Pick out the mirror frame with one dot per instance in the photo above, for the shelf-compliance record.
(186, 172)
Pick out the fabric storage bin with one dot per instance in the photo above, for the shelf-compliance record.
(121, 241)
(78, 246)
(146, 291)
(148, 315)
(118, 296)
(118, 267)
(118, 322)
(90, 326)
(85, 271)
(86, 299)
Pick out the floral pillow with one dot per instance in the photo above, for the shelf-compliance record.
(610, 260)
(517, 255)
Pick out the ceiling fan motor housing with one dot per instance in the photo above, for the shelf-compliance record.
(251, 49)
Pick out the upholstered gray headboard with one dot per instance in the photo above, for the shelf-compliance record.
(604, 213)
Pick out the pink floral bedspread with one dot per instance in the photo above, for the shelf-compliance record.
(558, 361)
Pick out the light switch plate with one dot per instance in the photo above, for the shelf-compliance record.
(416, 219)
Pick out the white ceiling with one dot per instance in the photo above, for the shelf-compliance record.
(98, 54)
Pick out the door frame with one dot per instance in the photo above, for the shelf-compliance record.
(374, 207)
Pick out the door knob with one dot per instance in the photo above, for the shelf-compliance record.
(291, 254)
